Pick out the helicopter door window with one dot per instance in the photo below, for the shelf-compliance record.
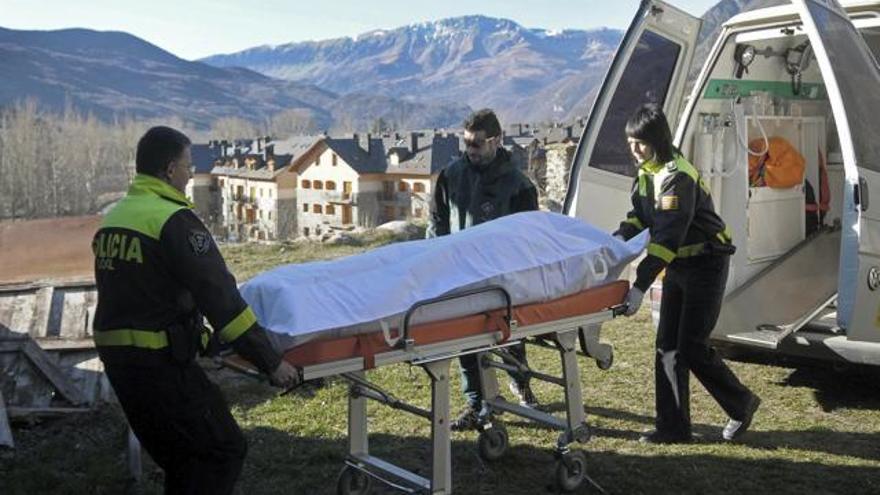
(646, 79)
(870, 29)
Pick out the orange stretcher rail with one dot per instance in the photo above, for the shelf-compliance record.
(369, 344)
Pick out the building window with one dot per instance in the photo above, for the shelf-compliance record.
(402, 186)
(387, 190)
(269, 214)
(388, 213)
(317, 161)
(253, 192)
(221, 182)
(261, 192)
(419, 187)
(306, 184)
(306, 231)
(305, 207)
(330, 185)
(335, 159)
(318, 185)
(317, 209)
(346, 190)
(330, 210)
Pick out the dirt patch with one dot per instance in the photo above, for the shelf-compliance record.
(53, 248)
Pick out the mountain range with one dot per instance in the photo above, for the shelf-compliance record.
(418, 76)
(528, 74)
(114, 75)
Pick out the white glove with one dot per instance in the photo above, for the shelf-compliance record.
(633, 300)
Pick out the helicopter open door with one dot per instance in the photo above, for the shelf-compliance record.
(651, 65)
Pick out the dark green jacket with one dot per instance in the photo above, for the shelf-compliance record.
(468, 195)
(675, 205)
(156, 265)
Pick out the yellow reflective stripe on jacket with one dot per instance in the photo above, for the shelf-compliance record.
(726, 237)
(682, 165)
(643, 185)
(144, 339)
(691, 250)
(636, 222)
(239, 325)
(661, 252)
(147, 206)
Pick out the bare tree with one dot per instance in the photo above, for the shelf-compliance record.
(63, 164)
(293, 122)
(233, 128)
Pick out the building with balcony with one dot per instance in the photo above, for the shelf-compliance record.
(365, 181)
(256, 198)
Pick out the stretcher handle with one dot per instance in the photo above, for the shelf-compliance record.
(450, 297)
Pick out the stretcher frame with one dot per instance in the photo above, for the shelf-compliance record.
(502, 331)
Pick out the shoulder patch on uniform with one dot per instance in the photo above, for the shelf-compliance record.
(199, 241)
(669, 202)
(671, 166)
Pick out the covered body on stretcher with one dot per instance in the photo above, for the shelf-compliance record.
(426, 302)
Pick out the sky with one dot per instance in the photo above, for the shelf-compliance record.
(193, 29)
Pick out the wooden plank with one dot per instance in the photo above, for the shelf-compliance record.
(17, 310)
(42, 309)
(11, 345)
(39, 359)
(54, 344)
(87, 281)
(75, 316)
(29, 387)
(5, 432)
(41, 412)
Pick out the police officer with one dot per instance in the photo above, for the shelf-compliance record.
(158, 270)
(693, 244)
(481, 186)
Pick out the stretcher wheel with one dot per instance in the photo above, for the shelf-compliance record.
(571, 469)
(354, 482)
(493, 443)
(605, 364)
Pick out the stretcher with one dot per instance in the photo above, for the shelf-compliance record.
(565, 324)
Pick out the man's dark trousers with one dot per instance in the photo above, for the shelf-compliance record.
(184, 423)
(470, 375)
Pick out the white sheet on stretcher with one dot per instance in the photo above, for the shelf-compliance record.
(535, 256)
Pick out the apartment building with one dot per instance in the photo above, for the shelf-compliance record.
(255, 197)
(365, 181)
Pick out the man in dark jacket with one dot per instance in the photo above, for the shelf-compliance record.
(481, 186)
(158, 271)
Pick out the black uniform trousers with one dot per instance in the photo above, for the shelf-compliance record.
(184, 423)
(693, 289)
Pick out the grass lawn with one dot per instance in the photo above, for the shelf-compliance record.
(818, 431)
